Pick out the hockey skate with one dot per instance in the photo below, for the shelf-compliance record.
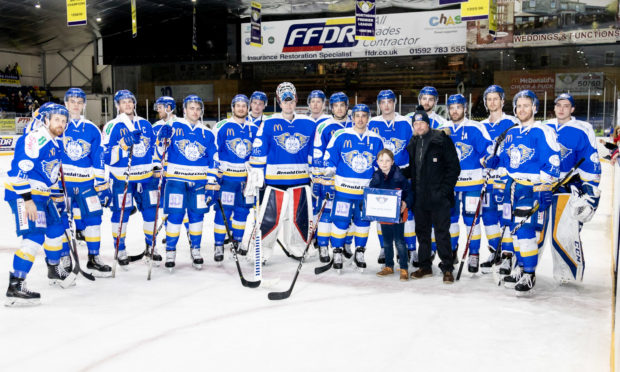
(323, 254)
(348, 253)
(525, 285)
(472, 263)
(123, 259)
(156, 256)
(197, 260)
(170, 257)
(413, 258)
(218, 255)
(507, 262)
(79, 236)
(65, 261)
(58, 276)
(510, 281)
(487, 266)
(338, 260)
(97, 267)
(381, 259)
(18, 295)
(359, 259)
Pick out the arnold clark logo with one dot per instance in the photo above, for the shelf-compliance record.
(444, 20)
(316, 36)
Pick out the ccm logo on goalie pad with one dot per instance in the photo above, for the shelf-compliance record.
(228, 198)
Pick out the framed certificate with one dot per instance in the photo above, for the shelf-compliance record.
(382, 205)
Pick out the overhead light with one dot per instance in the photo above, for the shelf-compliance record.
(193, 1)
(37, 5)
(98, 19)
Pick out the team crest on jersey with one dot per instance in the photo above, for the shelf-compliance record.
(564, 151)
(395, 145)
(360, 162)
(76, 149)
(141, 148)
(292, 143)
(192, 150)
(519, 155)
(51, 169)
(463, 150)
(240, 147)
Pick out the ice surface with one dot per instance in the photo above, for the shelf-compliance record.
(205, 320)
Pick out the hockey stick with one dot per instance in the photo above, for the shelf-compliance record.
(554, 189)
(244, 282)
(120, 223)
(287, 293)
(483, 192)
(71, 239)
(159, 186)
(258, 243)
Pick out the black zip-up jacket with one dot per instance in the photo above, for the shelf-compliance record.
(433, 183)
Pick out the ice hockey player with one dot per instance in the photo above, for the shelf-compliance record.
(396, 132)
(165, 107)
(84, 174)
(473, 145)
(281, 157)
(191, 177)
(128, 136)
(339, 106)
(496, 124)
(234, 138)
(575, 202)
(316, 105)
(530, 160)
(37, 118)
(428, 99)
(351, 159)
(32, 179)
(258, 101)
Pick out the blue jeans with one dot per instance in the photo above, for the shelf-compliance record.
(394, 233)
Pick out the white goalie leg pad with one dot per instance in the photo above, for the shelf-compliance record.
(271, 215)
(298, 224)
(568, 259)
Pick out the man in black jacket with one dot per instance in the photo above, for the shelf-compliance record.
(433, 168)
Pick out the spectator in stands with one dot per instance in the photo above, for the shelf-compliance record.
(612, 145)
(17, 70)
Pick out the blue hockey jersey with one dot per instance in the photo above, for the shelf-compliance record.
(283, 149)
(530, 155)
(82, 161)
(116, 154)
(234, 144)
(472, 144)
(192, 153)
(323, 134)
(35, 167)
(352, 157)
(576, 140)
(494, 130)
(395, 135)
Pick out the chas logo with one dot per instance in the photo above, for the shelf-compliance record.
(445, 20)
(316, 36)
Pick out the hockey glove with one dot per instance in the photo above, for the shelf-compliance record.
(256, 179)
(491, 162)
(59, 201)
(543, 194)
(212, 194)
(317, 186)
(165, 132)
(104, 194)
(584, 202)
(329, 189)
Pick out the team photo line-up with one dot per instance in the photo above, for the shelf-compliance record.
(310, 175)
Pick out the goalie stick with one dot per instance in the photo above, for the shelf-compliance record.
(244, 282)
(286, 294)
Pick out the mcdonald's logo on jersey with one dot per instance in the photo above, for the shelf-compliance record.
(230, 132)
(347, 143)
(179, 132)
(376, 130)
(277, 127)
(123, 132)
